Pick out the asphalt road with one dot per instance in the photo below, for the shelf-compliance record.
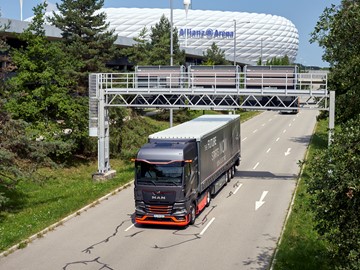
(239, 230)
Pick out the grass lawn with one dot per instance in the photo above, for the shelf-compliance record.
(34, 205)
(301, 247)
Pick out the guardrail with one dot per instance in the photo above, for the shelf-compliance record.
(216, 82)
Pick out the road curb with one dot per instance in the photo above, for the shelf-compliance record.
(40, 234)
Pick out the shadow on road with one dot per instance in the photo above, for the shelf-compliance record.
(265, 175)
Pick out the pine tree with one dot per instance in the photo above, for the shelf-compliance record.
(215, 56)
(39, 94)
(86, 36)
(5, 59)
(138, 54)
(160, 44)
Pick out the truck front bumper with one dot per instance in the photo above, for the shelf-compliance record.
(166, 220)
(175, 214)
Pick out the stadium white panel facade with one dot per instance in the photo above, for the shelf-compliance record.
(258, 36)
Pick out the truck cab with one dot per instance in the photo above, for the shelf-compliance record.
(165, 182)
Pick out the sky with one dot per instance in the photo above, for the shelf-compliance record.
(304, 14)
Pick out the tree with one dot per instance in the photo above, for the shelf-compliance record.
(86, 36)
(39, 94)
(139, 52)
(7, 65)
(278, 61)
(338, 32)
(215, 56)
(160, 44)
(154, 48)
(335, 189)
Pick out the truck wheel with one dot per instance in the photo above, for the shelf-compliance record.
(192, 214)
(208, 198)
(234, 170)
(228, 174)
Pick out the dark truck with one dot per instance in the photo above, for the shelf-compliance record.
(180, 168)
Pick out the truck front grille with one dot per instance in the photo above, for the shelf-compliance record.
(159, 209)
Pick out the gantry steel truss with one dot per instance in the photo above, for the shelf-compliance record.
(106, 90)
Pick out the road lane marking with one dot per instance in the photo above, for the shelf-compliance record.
(207, 226)
(257, 164)
(294, 119)
(270, 120)
(288, 152)
(132, 225)
(243, 140)
(284, 131)
(278, 139)
(261, 202)
(255, 131)
(268, 150)
(263, 125)
(290, 125)
(236, 190)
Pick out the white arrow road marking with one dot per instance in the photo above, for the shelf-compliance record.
(288, 152)
(260, 202)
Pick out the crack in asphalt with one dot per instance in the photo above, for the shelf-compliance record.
(92, 263)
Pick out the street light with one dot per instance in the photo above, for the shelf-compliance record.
(261, 48)
(235, 40)
(21, 10)
(187, 4)
(171, 34)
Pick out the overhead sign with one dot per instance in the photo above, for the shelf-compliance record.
(208, 33)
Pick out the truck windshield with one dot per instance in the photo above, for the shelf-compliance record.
(159, 174)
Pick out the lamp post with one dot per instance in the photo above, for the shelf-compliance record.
(261, 50)
(21, 10)
(262, 47)
(187, 4)
(234, 42)
(171, 33)
(235, 37)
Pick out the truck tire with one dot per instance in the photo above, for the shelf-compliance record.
(234, 170)
(192, 214)
(208, 198)
(228, 175)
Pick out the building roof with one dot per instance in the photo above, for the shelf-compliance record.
(256, 34)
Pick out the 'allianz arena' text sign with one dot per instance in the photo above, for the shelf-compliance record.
(208, 33)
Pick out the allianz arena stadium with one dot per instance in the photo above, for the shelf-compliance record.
(255, 36)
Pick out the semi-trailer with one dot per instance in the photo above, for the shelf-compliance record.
(181, 168)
